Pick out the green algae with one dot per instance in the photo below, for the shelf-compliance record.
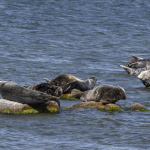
(110, 109)
(65, 96)
(29, 111)
(54, 110)
(20, 111)
(139, 109)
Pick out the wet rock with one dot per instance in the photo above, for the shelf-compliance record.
(7, 106)
(138, 107)
(97, 105)
(66, 96)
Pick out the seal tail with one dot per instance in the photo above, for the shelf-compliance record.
(129, 70)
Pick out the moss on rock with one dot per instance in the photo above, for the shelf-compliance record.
(66, 96)
(110, 107)
(7, 106)
(98, 105)
(138, 107)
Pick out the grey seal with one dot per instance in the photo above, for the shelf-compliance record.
(14, 92)
(103, 93)
(80, 85)
(137, 65)
(62, 79)
(46, 88)
(69, 82)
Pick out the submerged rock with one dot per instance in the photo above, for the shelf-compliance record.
(111, 107)
(138, 107)
(7, 106)
(97, 105)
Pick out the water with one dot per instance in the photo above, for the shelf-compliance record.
(84, 38)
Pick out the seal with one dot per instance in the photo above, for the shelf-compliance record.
(62, 79)
(134, 60)
(46, 88)
(103, 93)
(139, 62)
(69, 82)
(14, 92)
(144, 76)
(137, 65)
(80, 85)
(133, 71)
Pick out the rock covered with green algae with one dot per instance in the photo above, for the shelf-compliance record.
(66, 96)
(7, 106)
(109, 107)
(97, 105)
(138, 107)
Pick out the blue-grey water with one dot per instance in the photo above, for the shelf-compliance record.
(46, 38)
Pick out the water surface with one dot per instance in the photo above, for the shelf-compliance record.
(84, 38)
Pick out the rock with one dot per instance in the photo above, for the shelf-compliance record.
(7, 106)
(86, 104)
(66, 96)
(112, 107)
(138, 107)
(97, 105)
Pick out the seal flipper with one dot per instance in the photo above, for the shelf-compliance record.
(136, 57)
(129, 70)
(47, 80)
(74, 85)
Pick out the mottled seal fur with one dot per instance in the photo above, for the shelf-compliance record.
(62, 79)
(144, 76)
(47, 88)
(103, 93)
(12, 91)
(137, 65)
(69, 82)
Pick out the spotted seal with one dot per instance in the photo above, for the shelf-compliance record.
(12, 91)
(103, 93)
(69, 82)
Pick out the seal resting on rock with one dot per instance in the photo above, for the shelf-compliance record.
(80, 85)
(12, 91)
(103, 93)
(63, 79)
(144, 76)
(137, 65)
(69, 82)
(47, 88)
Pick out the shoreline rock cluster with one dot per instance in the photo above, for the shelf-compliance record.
(44, 97)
